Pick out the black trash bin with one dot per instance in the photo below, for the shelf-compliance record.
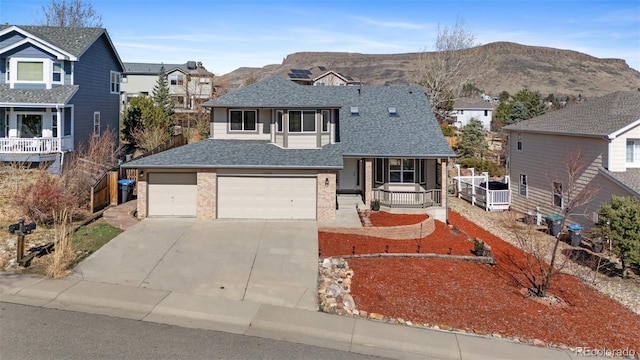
(553, 224)
(126, 189)
(576, 237)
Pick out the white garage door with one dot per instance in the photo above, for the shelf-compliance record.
(172, 194)
(241, 197)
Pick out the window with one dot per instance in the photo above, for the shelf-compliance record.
(279, 117)
(54, 125)
(6, 126)
(176, 79)
(243, 120)
(96, 123)
(115, 83)
(523, 185)
(519, 144)
(30, 71)
(29, 125)
(486, 113)
(178, 101)
(633, 152)
(422, 168)
(302, 121)
(557, 194)
(56, 74)
(401, 170)
(326, 120)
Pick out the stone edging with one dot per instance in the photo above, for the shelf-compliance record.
(402, 232)
(487, 259)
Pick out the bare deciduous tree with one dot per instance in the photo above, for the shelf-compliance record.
(542, 262)
(453, 63)
(150, 137)
(72, 13)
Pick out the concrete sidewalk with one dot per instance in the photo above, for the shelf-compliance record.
(262, 320)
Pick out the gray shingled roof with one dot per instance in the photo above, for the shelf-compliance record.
(242, 154)
(149, 68)
(72, 40)
(595, 117)
(472, 103)
(629, 178)
(414, 132)
(57, 95)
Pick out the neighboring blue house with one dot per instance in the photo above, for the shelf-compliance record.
(58, 88)
(280, 150)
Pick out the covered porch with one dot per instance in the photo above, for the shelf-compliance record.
(397, 184)
(35, 131)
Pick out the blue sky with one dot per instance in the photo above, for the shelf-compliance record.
(225, 35)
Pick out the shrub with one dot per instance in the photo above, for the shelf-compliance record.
(480, 165)
(448, 130)
(40, 199)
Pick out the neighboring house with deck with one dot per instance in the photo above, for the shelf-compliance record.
(606, 130)
(189, 83)
(58, 88)
(280, 150)
(465, 109)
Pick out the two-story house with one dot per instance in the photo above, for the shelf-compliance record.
(189, 84)
(281, 150)
(465, 109)
(605, 130)
(58, 88)
(320, 76)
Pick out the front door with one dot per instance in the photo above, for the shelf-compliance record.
(348, 176)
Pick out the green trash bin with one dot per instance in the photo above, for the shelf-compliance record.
(553, 224)
(574, 231)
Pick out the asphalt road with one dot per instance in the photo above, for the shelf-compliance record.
(39, 333)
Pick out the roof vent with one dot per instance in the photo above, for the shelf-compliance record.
(355, 111)
(393, 111)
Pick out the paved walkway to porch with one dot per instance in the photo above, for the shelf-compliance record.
(347, 214)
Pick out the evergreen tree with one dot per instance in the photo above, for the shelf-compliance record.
(619, 220)
(142, 113)
(518, 113)
(473, 141)
(162, 98)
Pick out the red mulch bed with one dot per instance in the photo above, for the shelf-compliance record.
(479, 297)
(382, 218)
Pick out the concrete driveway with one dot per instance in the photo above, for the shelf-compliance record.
(268, 262)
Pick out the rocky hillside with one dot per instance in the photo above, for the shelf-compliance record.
(505, 66)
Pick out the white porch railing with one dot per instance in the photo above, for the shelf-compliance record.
(30, 145)
(408, 199)
(478, 191)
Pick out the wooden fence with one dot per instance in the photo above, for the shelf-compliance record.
(105, 190)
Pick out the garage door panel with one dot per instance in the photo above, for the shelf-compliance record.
(267, 197)
(173, 194)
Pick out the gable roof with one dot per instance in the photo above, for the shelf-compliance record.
(603, 116)
(58, 95)
(472, 103)
(73, 40)
(131, 68)
(413, 132)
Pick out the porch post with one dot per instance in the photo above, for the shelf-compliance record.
(368, 181)
(443, 183)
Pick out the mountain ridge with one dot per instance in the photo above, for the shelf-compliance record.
(507, 66)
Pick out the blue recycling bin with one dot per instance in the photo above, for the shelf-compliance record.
(553, 224)
(126, 189)
(574, 232)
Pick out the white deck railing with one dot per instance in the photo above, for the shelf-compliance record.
(30, 145)
(408, 199)
(476, 190)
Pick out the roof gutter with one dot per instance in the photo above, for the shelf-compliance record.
(255, 167)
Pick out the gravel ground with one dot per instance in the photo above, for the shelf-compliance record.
(626, 292)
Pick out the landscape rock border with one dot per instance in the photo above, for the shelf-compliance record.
(402, 232)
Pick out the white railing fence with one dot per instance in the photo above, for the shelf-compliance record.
(30, 145)
(408, 199)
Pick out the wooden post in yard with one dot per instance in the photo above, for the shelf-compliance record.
(113, 187)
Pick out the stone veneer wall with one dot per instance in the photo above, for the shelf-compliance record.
(326, 196)
(207, 192)
(142, 198)
(402, 232)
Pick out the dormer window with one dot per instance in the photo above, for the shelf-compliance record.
(355, 111)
